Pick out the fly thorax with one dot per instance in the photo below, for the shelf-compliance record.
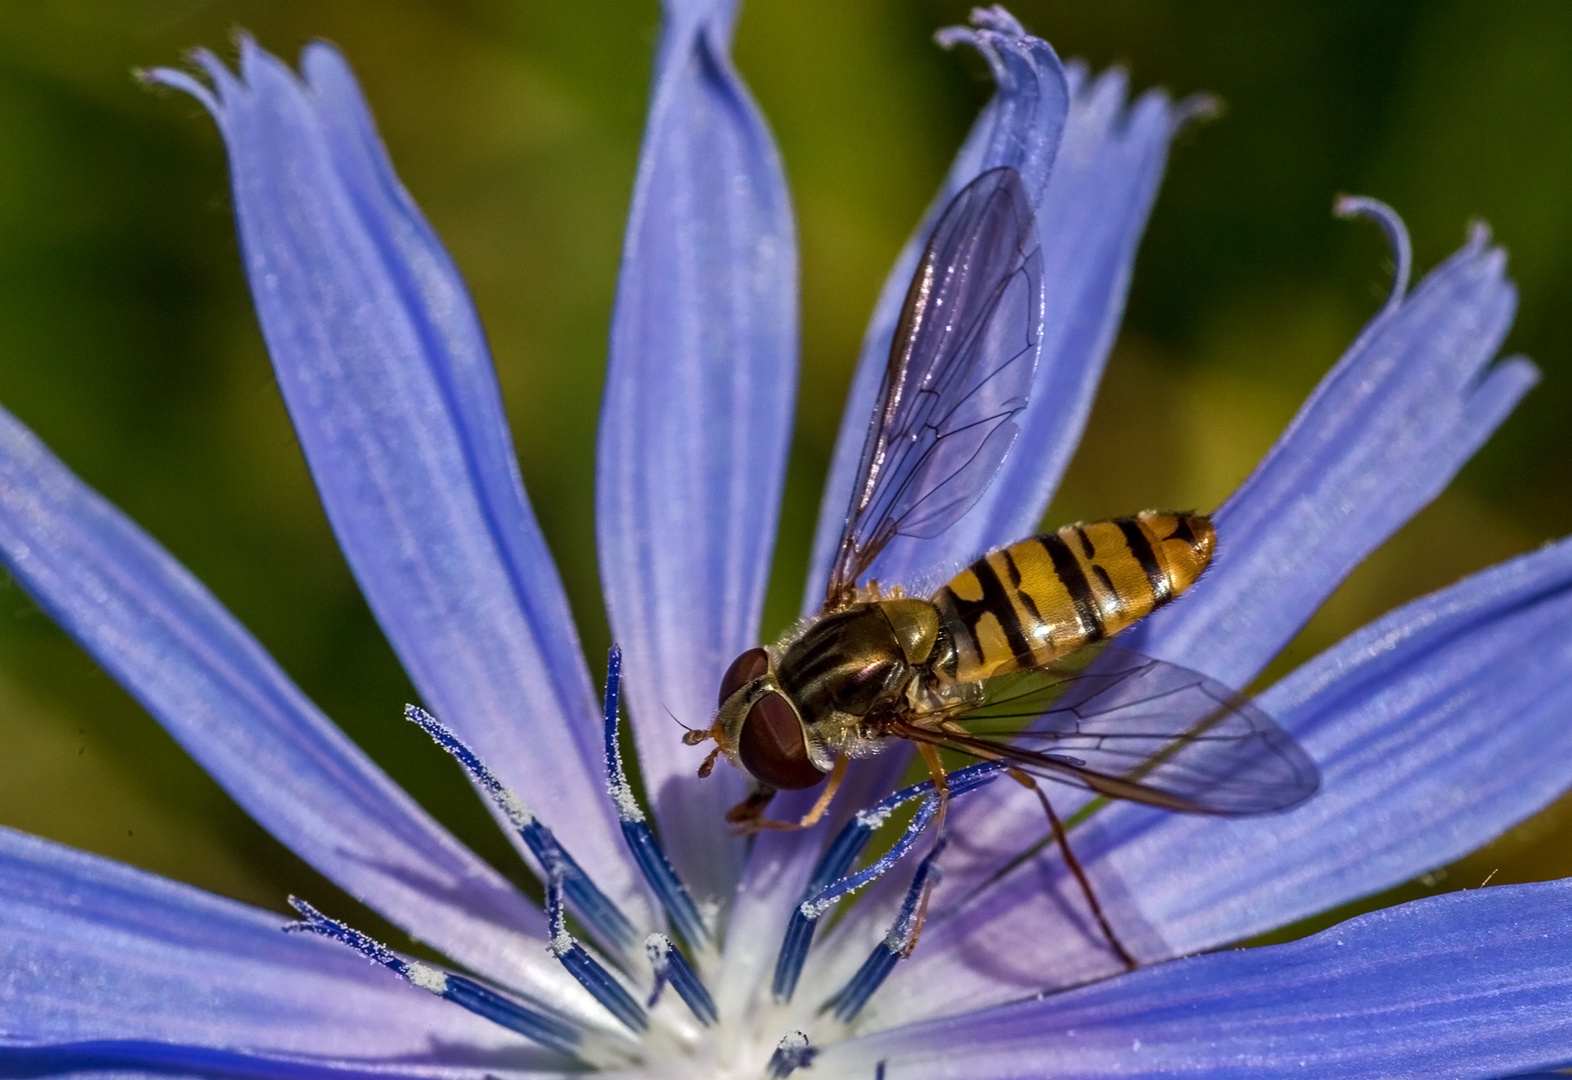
(849, 664)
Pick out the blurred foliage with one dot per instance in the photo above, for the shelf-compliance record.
(127, 340)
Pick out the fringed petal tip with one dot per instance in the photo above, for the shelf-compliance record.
(320, 62)
(183, 81)
(1197, 108)
(1412, 398)
(1391, 223)
(1111, 88)
(993, 19)
(999, 37)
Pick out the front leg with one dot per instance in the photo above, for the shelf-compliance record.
(751, 809)
(749, 818)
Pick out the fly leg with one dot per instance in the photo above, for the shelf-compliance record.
(941, 785)
(749, 818)
(751, 809)
(941, 791)
(1062, 838)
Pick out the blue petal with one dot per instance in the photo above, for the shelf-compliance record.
(1436, 728)
(384, 368)
(1475, 984)
(1406, 406)
(696, 420)
(1092, 208)
(177, 651)
(97, 952)
(1021, 127)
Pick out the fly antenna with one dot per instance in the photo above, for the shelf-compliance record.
(678, 720)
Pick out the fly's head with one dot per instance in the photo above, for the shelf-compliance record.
(759, 729)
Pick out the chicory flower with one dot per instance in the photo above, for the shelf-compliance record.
(1435, 728)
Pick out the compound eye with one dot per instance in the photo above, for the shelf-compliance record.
(753, 664)
(772, 748)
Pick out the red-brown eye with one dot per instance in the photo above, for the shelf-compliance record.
(772, 748)
(751, 665)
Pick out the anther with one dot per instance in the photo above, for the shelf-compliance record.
(793, 1052)
(657, 869)
(466, 993)
(599, 912)
(672, 968)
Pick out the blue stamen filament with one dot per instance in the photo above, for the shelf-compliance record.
(548, 1031)
(897, 944)
(597, 910)
(567, 883)
(602, 985)
(672, 968)
(652, 862)
(828, 882)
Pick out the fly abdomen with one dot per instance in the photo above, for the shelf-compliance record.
(1048, 596)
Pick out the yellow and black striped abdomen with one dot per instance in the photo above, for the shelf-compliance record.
(1035, 601)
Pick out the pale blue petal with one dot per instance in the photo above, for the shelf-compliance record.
(164, 637)
(385, 370)
(1093, 190)
(1473, 984)
(1384, 433)
(696, 421)
(1436, 728)
(1092, 207)
(1021, 127)
(93, 952)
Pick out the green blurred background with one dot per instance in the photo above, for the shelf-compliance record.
(127, 339)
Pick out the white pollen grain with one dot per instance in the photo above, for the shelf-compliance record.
(873, 819)
(561, 943)
(658, 948)
(520, 815)
(426, 977)
(811, 910)
(621, 793)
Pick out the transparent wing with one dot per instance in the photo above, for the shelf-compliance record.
(1128, 726)
(960, 367)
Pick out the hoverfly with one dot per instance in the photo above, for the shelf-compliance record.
(1020, 627)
